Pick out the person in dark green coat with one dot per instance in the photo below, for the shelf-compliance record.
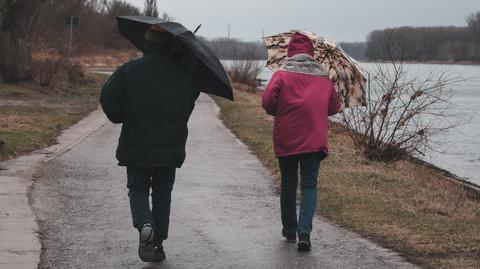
(153, 97)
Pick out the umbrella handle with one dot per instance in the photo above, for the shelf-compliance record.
(198, 27)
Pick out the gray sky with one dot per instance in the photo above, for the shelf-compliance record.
(340, 20)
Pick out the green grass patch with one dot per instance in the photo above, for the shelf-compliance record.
(406, 206)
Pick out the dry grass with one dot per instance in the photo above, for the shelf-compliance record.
(32, 117)
(407, 206)
(106, 60)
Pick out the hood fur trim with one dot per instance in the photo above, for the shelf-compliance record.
(304, 64)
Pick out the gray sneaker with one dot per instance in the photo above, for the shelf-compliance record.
(145, 247)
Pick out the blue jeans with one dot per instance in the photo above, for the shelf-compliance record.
(160, 180)
(309, 166)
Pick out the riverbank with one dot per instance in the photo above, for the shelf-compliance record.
(385, 62)
(32, 117)
(425, 62)
(407, 206)
(457, 150)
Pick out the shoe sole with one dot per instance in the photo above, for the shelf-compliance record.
(146, 241)
(146, 235)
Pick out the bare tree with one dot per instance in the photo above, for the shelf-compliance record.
(473, 21)
(167, 17)
(151, 8)
(403, 112)
(17, 23)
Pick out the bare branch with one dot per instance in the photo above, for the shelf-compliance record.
(403, 112)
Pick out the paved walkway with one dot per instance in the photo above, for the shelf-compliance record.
(19, 241)
(225, 213)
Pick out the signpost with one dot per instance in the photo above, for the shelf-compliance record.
(70, 22)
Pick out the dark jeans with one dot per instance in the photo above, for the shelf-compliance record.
(160, 180)
(309, 166)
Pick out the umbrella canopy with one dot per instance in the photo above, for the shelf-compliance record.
(343, 70)
(211, 75)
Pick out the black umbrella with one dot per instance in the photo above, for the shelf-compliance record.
(211, 75)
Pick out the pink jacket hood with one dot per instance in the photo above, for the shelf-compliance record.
(300, 44)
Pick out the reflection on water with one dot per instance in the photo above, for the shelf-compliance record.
(458, 150)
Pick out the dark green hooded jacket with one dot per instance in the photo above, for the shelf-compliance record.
(153, 97)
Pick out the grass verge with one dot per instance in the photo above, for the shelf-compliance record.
(32, 117)
(406, 206)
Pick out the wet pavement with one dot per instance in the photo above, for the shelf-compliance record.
(225, 213)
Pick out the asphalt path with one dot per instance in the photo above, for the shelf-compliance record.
(225, 212)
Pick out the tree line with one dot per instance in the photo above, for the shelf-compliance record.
(32, 30)
(235, 49)
(427, 43)
(355, 49)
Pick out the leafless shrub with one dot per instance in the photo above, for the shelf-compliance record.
(51, 69)
(45, 65)
(245, 72)
(74, 73)
(151, 9)
(404, 111)
(45, 70)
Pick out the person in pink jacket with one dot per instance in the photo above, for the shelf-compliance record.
(301, 97)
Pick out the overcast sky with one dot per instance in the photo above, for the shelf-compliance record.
(340, 20)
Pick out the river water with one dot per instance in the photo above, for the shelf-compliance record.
(457, 150)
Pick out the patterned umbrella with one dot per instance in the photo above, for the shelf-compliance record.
(343, 70)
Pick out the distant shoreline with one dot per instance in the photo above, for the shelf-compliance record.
(373, 62)
(426, 62)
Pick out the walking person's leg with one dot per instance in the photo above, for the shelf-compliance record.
(139, 182)
(162, 185)
(309, 167)
(288, 196)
